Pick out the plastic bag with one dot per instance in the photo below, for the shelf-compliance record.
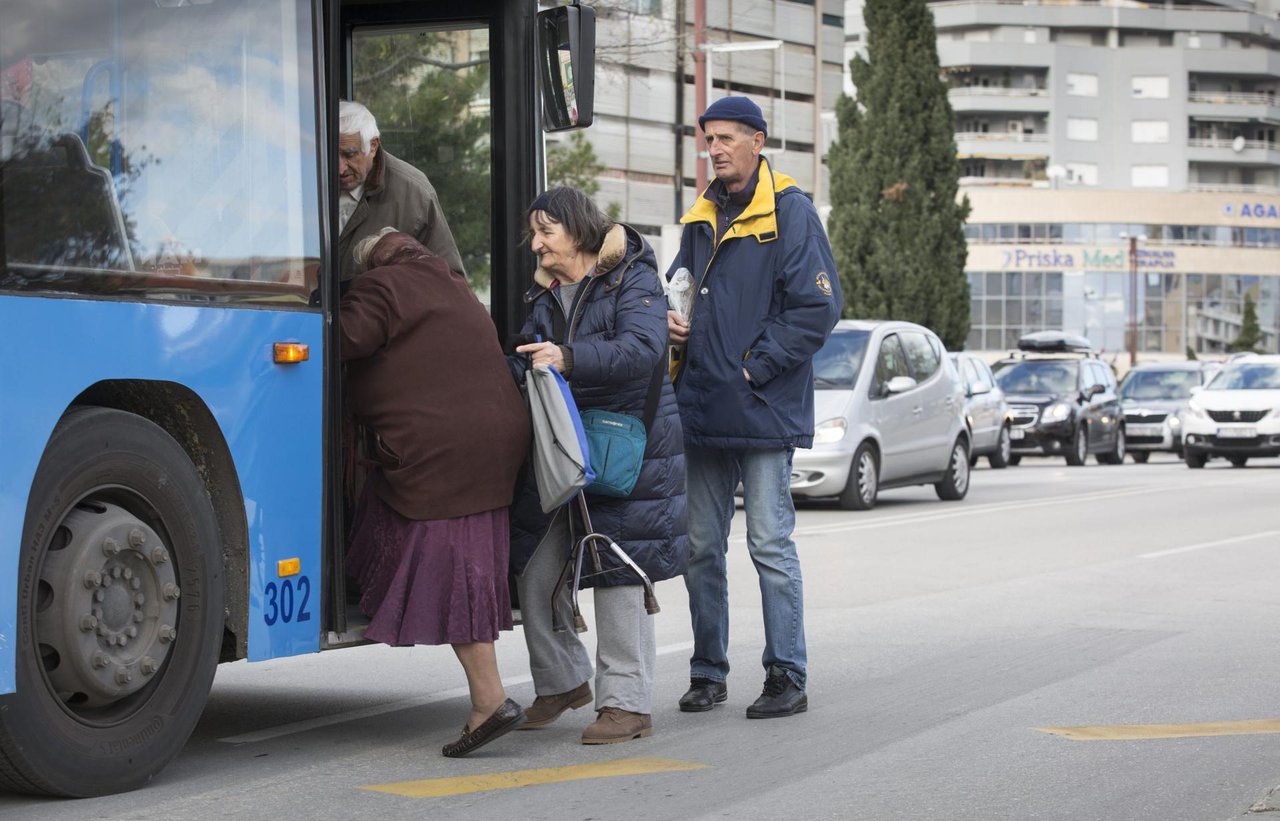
(679, 290)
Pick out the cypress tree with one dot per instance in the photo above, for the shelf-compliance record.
(1250, 332)
(896, 228)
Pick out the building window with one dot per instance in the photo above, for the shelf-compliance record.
(1082, 85)
(1150, 131)
(1081, 128)
(1154, 88)
(1150, 176)
(1081, 173)
(833, 20)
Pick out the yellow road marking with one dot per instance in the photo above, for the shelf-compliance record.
(436, 787)
(1140, 732)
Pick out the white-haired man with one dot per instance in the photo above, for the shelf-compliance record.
(379, 190)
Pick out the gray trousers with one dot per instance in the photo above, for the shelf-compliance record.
(626, 650)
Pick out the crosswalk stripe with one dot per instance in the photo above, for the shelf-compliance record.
(461, 785)
(1142, 732)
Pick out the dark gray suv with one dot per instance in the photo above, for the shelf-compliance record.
(1063, 400)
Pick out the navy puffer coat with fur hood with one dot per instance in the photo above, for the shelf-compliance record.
(616, 334)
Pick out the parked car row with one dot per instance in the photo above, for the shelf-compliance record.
(893, 409)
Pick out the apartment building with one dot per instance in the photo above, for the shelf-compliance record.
(1090, 129)
(784, 54)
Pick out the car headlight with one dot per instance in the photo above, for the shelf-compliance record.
(1195, 412)
(832, 430)
(1174, 421)
(1057, 412)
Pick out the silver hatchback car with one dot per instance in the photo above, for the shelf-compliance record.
(889, 409)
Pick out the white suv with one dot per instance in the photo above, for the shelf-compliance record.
(889, 408)
(1237, 415)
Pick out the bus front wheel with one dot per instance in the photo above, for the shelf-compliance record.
(120, 604)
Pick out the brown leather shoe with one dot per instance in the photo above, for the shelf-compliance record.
(504, 719)
(613, 726)
(546, 709)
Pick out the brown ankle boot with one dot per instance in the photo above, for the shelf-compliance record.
(546, 709)
(613, 725)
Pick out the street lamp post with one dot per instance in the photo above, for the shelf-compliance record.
(1133, 295)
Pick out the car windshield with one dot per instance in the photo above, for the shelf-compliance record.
(1247, 376)
(836, 365)
(1037, 376)
(1152, 385)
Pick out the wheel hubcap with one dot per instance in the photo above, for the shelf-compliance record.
(867, 477)
(107, 606)
(960, 467)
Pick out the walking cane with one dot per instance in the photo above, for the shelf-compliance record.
(572, 571)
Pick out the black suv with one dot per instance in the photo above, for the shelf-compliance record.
(1062, 400)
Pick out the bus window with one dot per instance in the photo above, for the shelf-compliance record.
(429, 90)
(156, 149)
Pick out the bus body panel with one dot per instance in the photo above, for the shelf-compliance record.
(270, 416)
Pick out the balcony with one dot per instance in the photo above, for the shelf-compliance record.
(989, 54)
(1233, 151)
(1228, 105)
(1001, 182)
(1000, 100)
(1233, 188)
(1152, 15)
(1000, 145)
(1231, 98)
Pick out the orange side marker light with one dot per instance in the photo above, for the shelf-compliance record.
(290, 353)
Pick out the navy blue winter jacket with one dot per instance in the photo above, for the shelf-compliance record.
(764, 299)
(616, 337)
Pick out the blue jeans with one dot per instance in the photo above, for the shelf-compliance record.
(713, 476)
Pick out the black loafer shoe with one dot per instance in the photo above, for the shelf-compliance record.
(703, 695)
(504, 719)
(781, 697)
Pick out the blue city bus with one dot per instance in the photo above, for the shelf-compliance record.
(171, 471)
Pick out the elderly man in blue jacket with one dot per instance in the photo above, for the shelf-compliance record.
(765, 297)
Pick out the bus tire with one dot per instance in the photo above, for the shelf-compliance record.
(120, 600)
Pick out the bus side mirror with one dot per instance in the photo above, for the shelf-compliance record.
(566, 66)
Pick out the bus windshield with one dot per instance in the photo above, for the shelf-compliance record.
(156, 148)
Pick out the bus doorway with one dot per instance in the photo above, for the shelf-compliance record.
(446, 82)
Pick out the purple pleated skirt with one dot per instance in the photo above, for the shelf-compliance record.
(430, 582)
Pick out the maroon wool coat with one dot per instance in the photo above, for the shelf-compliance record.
(426, 373)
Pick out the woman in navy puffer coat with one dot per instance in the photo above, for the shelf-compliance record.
(597, 304)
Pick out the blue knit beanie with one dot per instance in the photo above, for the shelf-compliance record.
(737, 109)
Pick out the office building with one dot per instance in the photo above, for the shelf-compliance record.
(1123, 165)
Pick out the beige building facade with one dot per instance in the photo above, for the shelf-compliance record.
(1060, 260)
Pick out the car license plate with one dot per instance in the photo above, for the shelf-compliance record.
(1237, 433)
(1017, 433)
(1144, 430)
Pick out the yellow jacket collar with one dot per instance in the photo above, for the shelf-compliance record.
(759, 219)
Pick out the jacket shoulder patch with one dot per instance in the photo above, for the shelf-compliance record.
(824, 283)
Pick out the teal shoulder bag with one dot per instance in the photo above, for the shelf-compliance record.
(616, 442)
